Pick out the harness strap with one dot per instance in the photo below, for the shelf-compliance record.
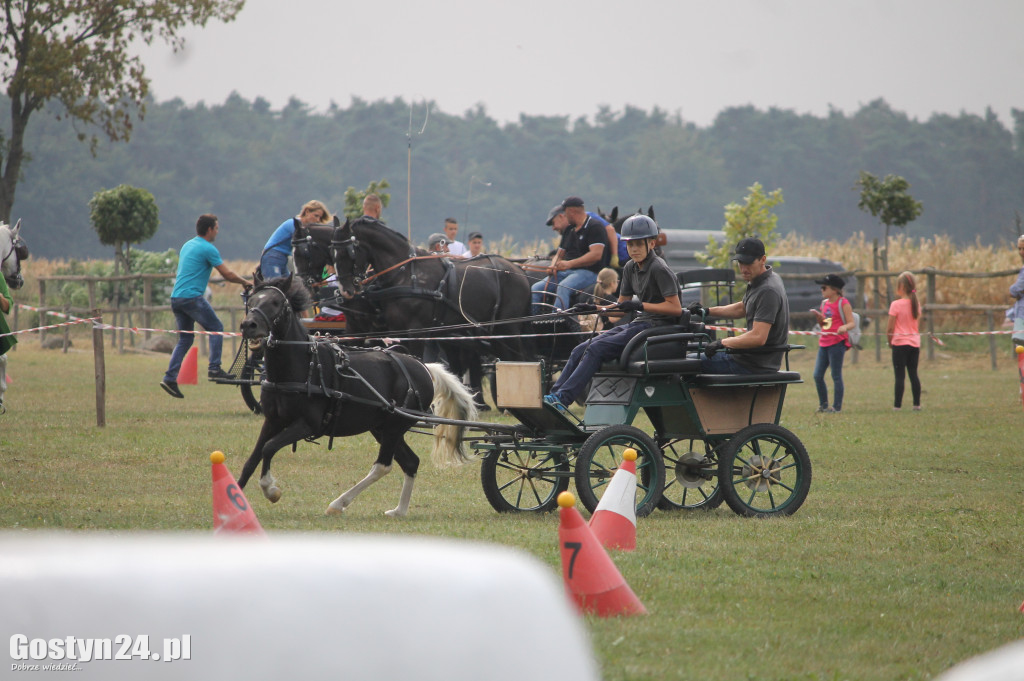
(411, 391)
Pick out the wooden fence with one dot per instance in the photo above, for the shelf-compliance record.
(877, 311)
(135, 314)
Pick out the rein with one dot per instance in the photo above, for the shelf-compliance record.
(404, 262)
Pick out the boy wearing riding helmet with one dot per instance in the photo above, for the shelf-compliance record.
(656, 290)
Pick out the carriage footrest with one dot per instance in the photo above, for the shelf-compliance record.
(713, 380)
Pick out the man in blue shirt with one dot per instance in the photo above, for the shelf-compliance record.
(196, 261)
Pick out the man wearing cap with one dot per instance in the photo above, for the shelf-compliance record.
(578, 260)
(437, 243)
(766, 309)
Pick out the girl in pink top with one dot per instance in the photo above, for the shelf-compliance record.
(834, 340)
(904, 339)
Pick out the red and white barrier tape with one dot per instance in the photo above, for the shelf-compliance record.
(391, 340)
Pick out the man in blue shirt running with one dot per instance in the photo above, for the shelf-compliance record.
(196, 261)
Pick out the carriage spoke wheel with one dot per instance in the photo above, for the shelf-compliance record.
(601, 455)
(251, 375)
(691, 476)
(764, 471)
(524, 480)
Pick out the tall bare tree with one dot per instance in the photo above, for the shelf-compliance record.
(76, 52)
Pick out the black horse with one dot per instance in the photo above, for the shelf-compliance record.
(413, 290)
(315, 387)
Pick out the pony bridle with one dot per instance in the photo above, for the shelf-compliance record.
(271, 323)
(351, 246)
(304, 240)
(18, 246)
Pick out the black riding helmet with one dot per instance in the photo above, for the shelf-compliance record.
(639, 227)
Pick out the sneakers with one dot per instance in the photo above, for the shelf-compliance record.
(171, 387)
(553, 401)
(219, 374)
(825, 410)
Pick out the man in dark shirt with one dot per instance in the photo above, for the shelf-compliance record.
(645, 276)
(577, 262)
(766, 309)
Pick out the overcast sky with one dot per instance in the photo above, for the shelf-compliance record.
(568, 57)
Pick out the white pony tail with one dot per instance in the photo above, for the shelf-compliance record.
(452, 400)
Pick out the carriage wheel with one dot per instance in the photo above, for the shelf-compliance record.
(252, 370)
(524, 480)
(764, 471)
(691, 476)
(601, 455)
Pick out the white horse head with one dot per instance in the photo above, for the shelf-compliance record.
(12, 251)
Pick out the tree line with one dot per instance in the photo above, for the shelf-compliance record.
(254, 166)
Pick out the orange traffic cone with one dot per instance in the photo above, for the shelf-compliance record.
(231, 510)
(590, 576)
(189, 372)
(614, 519)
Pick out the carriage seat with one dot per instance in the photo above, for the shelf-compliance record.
(720, 380)
(661, 349)
(765, 378)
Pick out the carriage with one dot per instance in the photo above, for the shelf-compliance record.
(714, 438)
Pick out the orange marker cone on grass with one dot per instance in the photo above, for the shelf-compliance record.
(614, 519)
(189, 372)
(590, 576)
(232, 513)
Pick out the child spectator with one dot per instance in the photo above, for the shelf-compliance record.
(904, 338)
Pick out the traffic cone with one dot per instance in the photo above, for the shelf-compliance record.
(231, 510)
(590, 576)
(189, 372)
(614, 520)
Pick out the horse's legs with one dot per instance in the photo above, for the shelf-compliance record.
(391, 449)
(409, 463)
(257, 454)
(296, 431)
(338, 506)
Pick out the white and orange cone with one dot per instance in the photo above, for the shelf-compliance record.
(232, 513)
(590, 576)
(614, 519)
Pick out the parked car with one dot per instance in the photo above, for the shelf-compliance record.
(680, 253)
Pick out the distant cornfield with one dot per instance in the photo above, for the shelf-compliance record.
(917, 254)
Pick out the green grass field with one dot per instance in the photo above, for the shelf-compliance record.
(906, 558)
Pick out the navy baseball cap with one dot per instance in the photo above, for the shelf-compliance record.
(748, 250)
(555, 212)
(573, 202)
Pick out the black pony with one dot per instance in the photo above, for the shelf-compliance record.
(413, 290)
(315, 387)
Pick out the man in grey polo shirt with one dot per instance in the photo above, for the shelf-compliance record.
(766, 309)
